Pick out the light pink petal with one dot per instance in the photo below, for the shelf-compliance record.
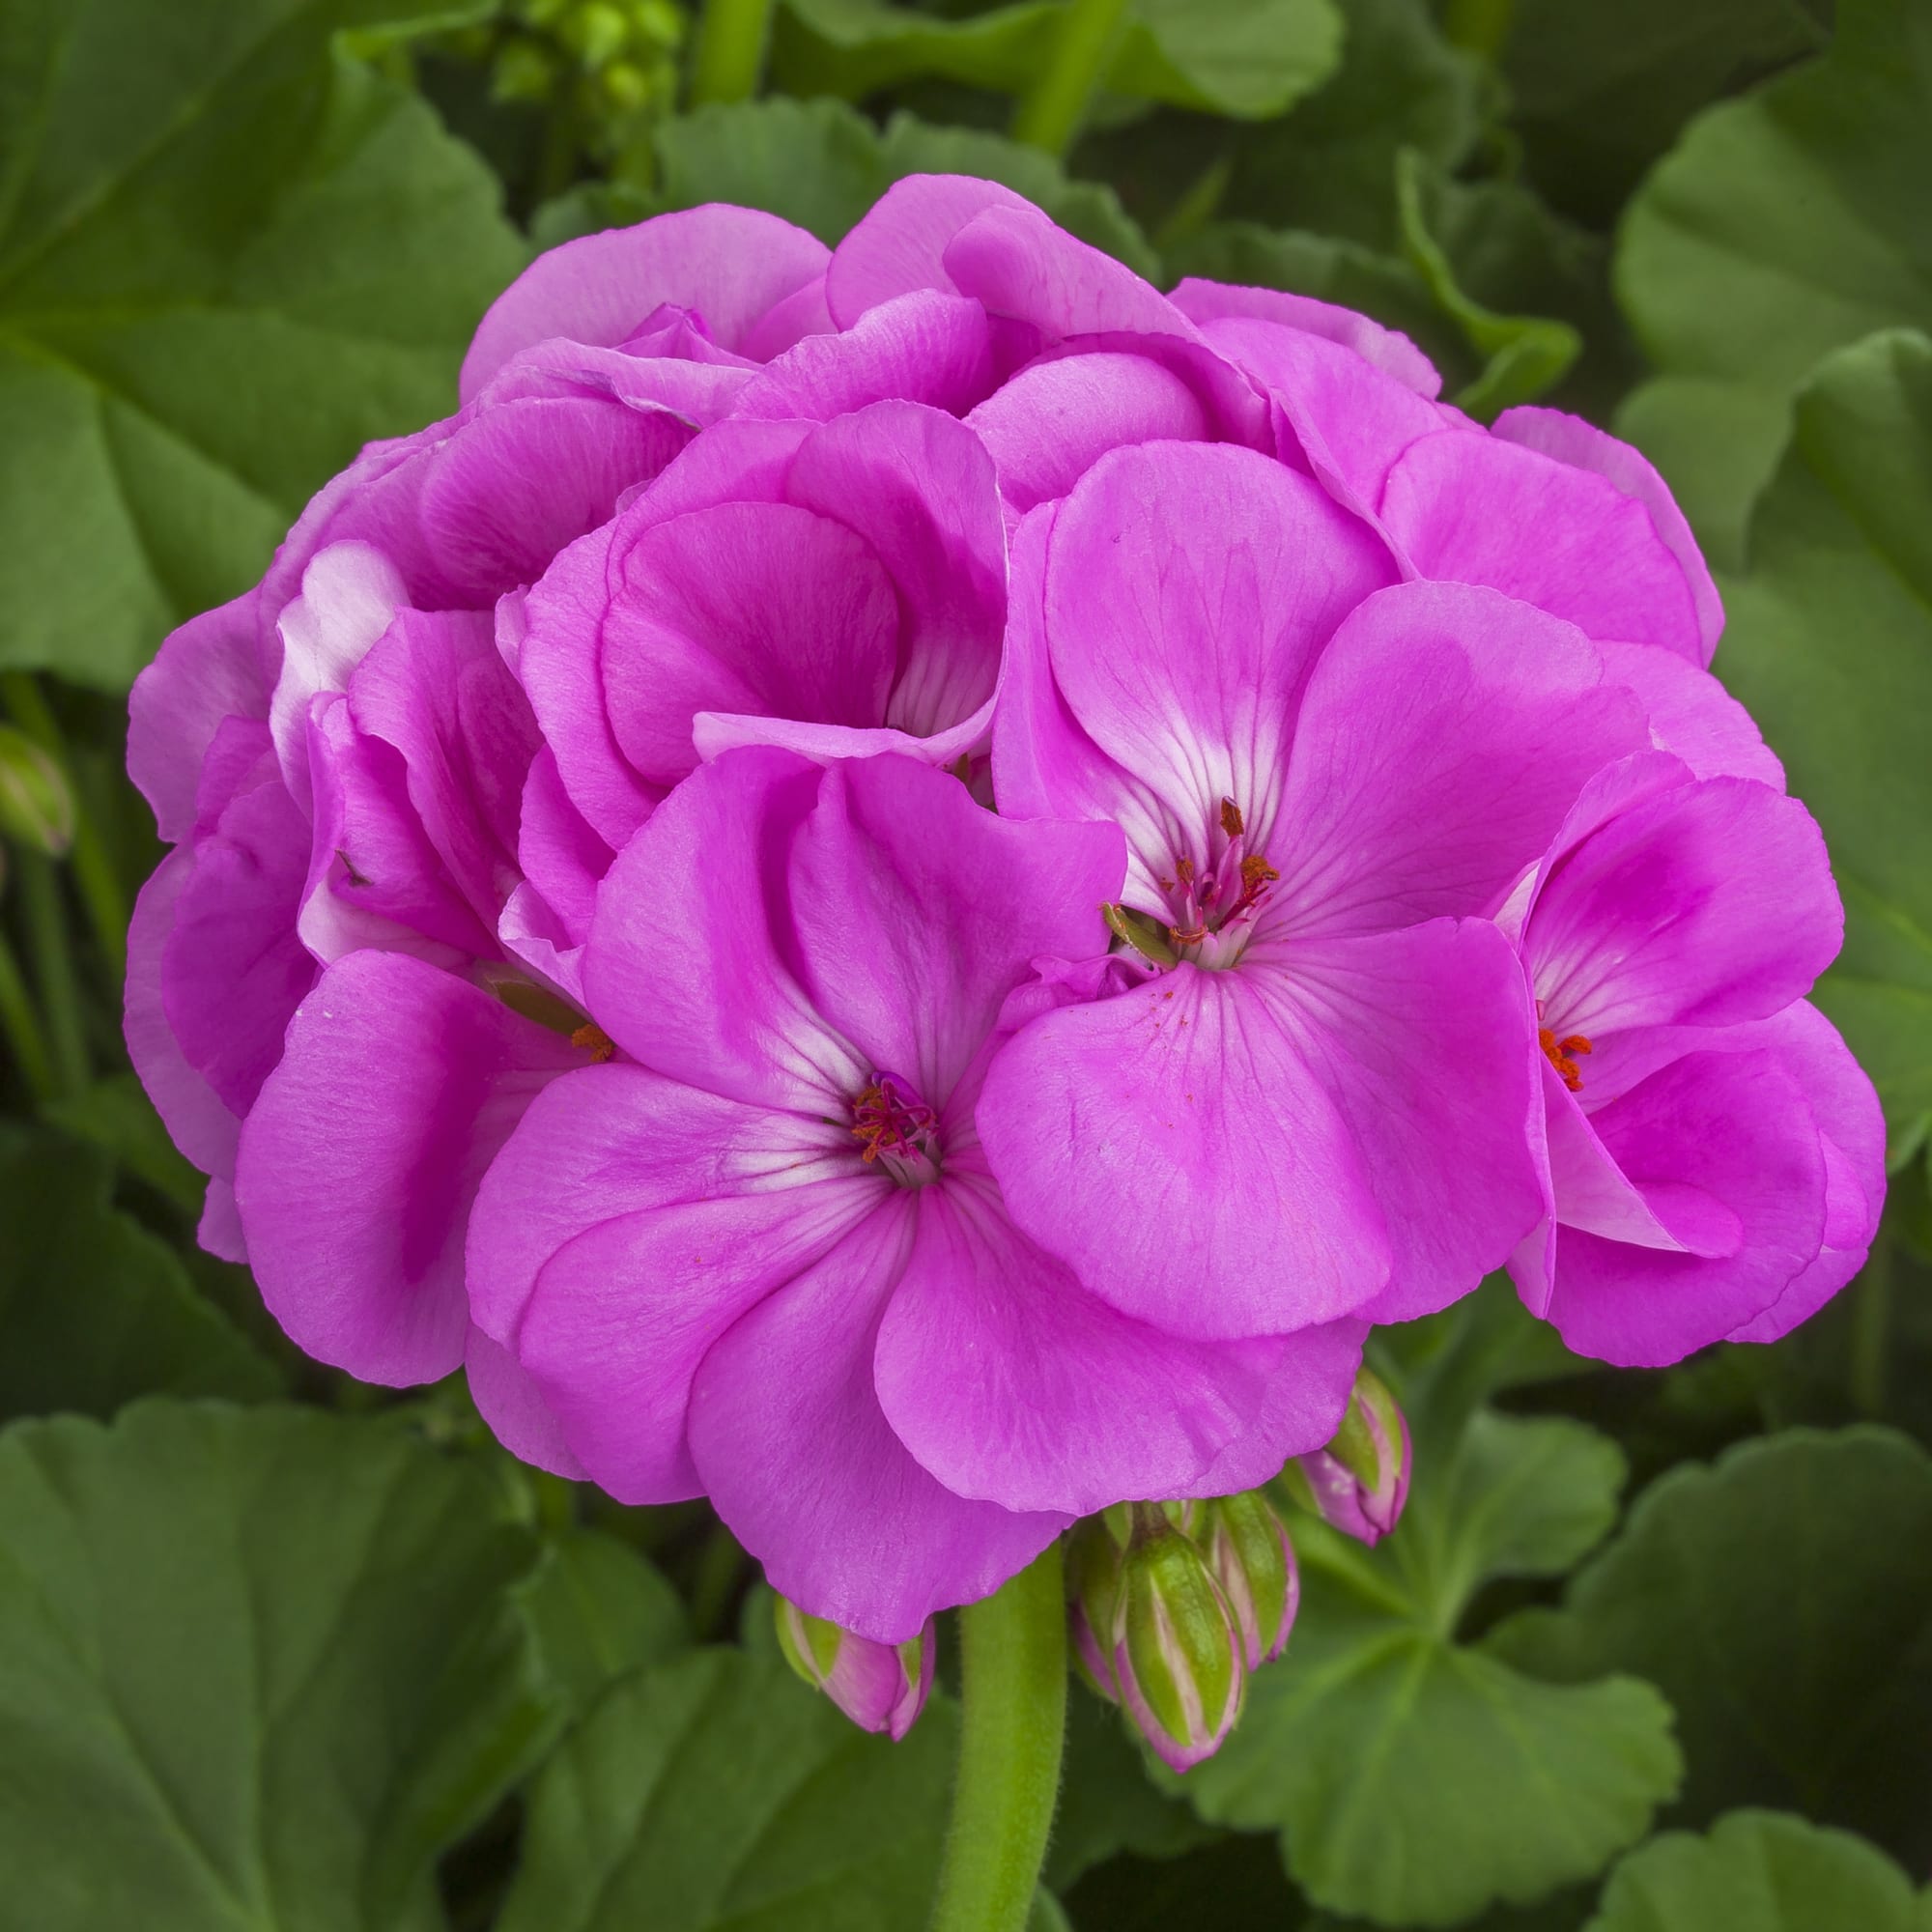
(686, 962)
(1470, 508)
(560, 854)
(1047, 426)
(919, 347)
(1188, 590)
(1301, 1411)
(1735, 1128)
(509, 1401)
(798, 1459)
(1443, 736)
(1570, 440)
(1176, 1149)
(745, 607)
(1387, 349)
(715, 732)
(1421, 1041)
(916, 911)
(1702, 905)
(208, 669)
(1691, 715)
(360, 1159)
(1008, 1381)
(731, 264)
(899, 246)
(921, 490)
(349, 595)
(220, 1228)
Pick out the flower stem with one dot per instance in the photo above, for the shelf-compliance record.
(1051, 110)
(1014, 1686)
(731, 51)
(53, 971)
(94, 873)
(21, 1025)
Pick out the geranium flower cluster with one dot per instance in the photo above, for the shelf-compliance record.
(905, 886)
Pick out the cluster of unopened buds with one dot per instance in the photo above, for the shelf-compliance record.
(1170, 1606)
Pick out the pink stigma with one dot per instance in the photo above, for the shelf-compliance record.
(895, 1130)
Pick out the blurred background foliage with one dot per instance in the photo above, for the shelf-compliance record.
(1651, 1652)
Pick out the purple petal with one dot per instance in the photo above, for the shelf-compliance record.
(1692, 716)
(729, 265)
(1570, 440)
(360, 1161)
(1735, 1128)
(899, 246)
(1070, 1405)
(795, 1453)
(916, 911)
(1173, 1146)
(1702, 904)
(558, 852)
(1442, 737)
(1387, 349)
(1304, 1408)
(509, 1401)
(208, 670)
(1422, 1042)
(1470, 508)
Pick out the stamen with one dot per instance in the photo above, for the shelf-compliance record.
(1231, 821)
(1561, 1055)
(595, 1041)
(889, 1124)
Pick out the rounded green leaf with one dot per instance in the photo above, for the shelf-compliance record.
(1760, 1871)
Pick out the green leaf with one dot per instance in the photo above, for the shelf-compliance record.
(96, 1310)
(1784, 225)
(1329, 167)
(256, 1670)
(1236, 1885)
(716, 1791)
(1417, 1778)
(1781, 1598)
(227, 259)
(1760, 1871)
(821, 164)
(1598, 93)
(1248, 58)
(600, 1611)
(1829, 644)
(117, 1116)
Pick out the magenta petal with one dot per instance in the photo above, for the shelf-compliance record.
(1851, 1129)
(561, 855)
(1173, 1145)
(1048, 424)
(919, 348)
(795, 1453)
(1570, 440)
(360, 1161)
(1470, 508)
(900, 245)
(1306, 1400)
(1692, 716)
(1420, 1039)
(1735, 1126)
(1188, 590)
(508, 1398)
(686, 962)
(208, 670)
(731, 264)
(1443, 735)
(1700, 905)
(745, 607)
(1387, 349)
(1067, 1404)
(916, 911)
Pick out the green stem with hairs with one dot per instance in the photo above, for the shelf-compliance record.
(1013, 1683)
(730, 57)
(1051, 110)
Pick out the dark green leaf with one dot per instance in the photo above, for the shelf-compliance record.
(600, 1611)
(227, 259)
(1234, 1886)
(255, 1672)
(96, 1310)
(1781, 1598)
(1760, 1871)
(1829, 644)
(716, 1791)
(118, 1117)
(1416, 1778)
(1784, 226)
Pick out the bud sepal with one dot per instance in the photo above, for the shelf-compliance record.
(1247, 1548)
(881, 1686)
(1359, 1483)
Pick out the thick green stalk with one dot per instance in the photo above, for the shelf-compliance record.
(1051, 110)
(21, 1025)
(94, 873)
(1014, 1690)
(729, 56)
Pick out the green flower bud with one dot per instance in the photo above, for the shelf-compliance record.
(1247, 1548)
(881, 1686)
(35, 805)
(1360, 1482)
